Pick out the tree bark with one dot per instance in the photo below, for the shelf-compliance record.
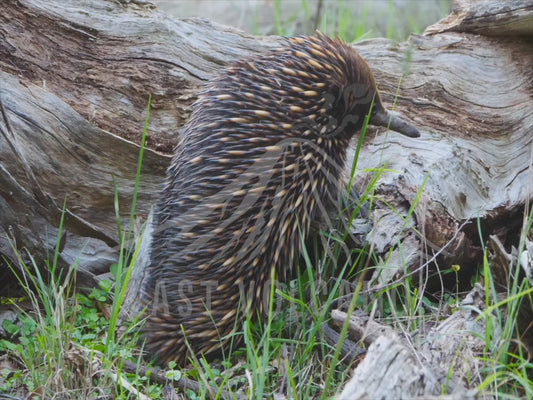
(77, 76)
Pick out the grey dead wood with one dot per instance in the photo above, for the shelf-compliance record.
(446, 357)
(75, 76)
(488, 17)
(405, 366)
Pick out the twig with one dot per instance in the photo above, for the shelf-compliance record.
(160, 376)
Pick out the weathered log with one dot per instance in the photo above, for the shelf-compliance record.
(474, 150)
(472, 96)
(423, 366)
(51, 156)
(488, 17)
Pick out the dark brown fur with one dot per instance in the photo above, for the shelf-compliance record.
(261, 158)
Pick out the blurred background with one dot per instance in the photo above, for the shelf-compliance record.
(352, 20)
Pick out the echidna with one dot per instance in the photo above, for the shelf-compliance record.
(260, 159)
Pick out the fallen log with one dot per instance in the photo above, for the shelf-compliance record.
(91, 74)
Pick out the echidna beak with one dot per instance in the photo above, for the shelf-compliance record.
(392, 121)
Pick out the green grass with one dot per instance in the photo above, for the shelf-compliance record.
(507, 370)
